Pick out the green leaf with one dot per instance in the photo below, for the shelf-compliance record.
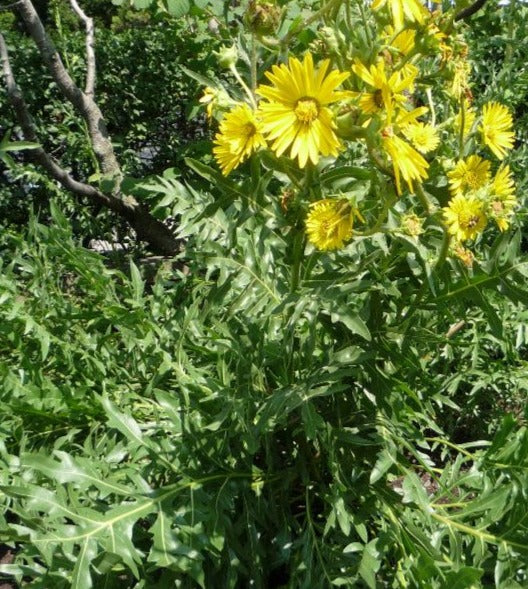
(383, 463)
(177, 8)
(370, 564)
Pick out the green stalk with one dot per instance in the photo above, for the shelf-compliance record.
(297, 253)
(462, 125)
(422, 197)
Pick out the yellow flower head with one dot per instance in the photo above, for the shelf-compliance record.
(296, 114)
(424, 137)
(239, 136)
(387, 90)
(503, 200)
(329, 223)
(496, 128)
(469, 175)
(406, 161)
(412, 10)
(465, 217)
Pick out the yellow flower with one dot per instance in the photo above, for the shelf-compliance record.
(496, 128)
(411, 10)
(503, 200)
(387, 91)
(465, 217)
(329, 223)
(406, 161)
(239, 136)
(424, 137)
(296, 115)
(469, 174)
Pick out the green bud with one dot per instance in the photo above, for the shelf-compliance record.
(227, 56)
(347, 125)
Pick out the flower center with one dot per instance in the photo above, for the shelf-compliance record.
(472, 179)
(307, 110)
(249, 130)
(468, 220)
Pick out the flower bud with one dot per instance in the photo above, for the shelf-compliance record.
(262, 18)
(227, 56)
(347, 124)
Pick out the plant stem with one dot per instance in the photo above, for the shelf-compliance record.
(297, 252)
(245, 87)
(462, 125)
(253, 64)
(422, 197)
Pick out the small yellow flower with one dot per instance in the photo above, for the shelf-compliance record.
(239, 136)
(329, 223)
(469, 174)
(387, 90)
(406, 161)
(503, 200)
(424, 137)
(296, 115)
(209, 98)
(496, 128)
(412, 10)
(465, 217)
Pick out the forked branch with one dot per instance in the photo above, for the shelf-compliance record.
(90, 44)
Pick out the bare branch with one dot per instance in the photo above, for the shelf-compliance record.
(470, 10)
(147, 227)
(90, 44)
(9, 6)
(84, 103)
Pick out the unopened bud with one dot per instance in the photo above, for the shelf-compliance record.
(227, 56)
(347, 124)
(262, 18)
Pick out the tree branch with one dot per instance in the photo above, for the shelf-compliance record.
(147, 227)
(470, 10)
(90, 44)
(83, 102)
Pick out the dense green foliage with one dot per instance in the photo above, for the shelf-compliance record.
(213, 426)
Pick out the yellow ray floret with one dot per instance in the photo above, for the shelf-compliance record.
(412, 10)
(329, 223)
(239, 136)
(503, 197)
(296, 115)
(407, 163)
(387, 90)
(496, 128)
(465, 217)
(424, 137)
(469, 175)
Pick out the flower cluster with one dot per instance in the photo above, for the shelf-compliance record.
(309, 112)
(477, 196)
